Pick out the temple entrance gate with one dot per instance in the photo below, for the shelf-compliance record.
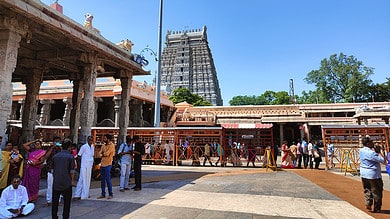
(346, 140)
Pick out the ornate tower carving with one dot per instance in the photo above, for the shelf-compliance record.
(187, 62)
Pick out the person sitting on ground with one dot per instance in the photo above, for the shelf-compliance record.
(14, 200)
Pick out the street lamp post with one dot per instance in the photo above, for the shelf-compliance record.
(152, 53)
(158, 76)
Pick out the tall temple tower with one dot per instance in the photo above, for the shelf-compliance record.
(187, 63)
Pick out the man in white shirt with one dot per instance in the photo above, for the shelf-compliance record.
(168, 151)
(13, 201)
(147, 156)
(125, 151)
(311, 157)
(86, 153)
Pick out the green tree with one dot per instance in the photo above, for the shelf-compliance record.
(267, 98)
(275, 98)
(281, 98)
(243, 100)
(341, 78)
(381, 92)
(183, 94)
(311, 97)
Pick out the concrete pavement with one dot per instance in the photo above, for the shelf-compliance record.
(205, 192)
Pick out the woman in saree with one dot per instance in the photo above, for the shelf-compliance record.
(286, 156)
(32, 174)
(15, 164)
(7, 169)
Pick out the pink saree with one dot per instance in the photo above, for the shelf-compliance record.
(32, 174)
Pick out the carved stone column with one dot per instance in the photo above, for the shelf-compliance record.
(74, 120)
(117, 105)
(281, 133)
(14, 111)
(307, 131)
(21, 102)
(136, 115)
(68, 108)
(87, 110)
(33, 84)
(11, 32)
(9, 45)
(45, 111)
(165, 113)
(151, 109)
(126, 81)
(97, 100)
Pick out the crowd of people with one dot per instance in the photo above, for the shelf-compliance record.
(302, 154)
(234, 153)
(20, 175)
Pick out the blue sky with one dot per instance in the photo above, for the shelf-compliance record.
(257, 45)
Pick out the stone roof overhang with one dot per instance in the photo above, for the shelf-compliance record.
(246, 126)
(372, 114)
(354, 126)
(195, 123)
(60, 46)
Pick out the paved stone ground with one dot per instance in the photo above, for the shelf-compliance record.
(205, 192)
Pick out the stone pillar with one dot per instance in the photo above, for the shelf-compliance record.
(302, 131)
(152, 114)
(281, 133)
(14, 110)
(33, 83)
(124, 111)
(307, 131)
(170, 114)
(45, 111)
(9, 45)
(87, 110)
(117, 105)
(68, 109)
(165, 115)
(74, 120)
(136, 112)
(21, 102)
(97, 101)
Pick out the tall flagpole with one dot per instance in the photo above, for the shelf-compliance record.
(158, 76)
